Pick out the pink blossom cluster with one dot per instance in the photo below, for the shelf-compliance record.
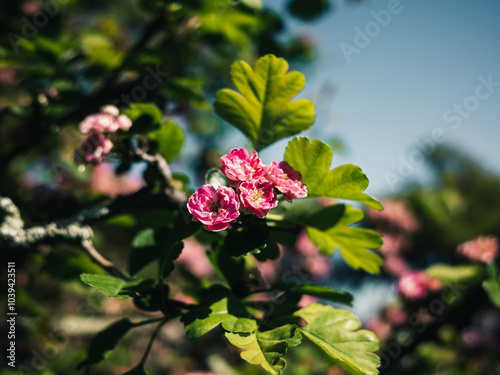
(253, 190)
(97, 128)
(416, 285)
(482, 249)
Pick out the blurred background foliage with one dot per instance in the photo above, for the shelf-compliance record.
(61, 60)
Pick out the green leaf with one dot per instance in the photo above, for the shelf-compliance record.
(169, 254)
(351, 241)
(145, 117)
(215, 178)
(316, 291)
(108, 285)
(336, 332)
(247, 234)
(313, 160)
(226, 310)
(169, 140)
(104, 342)
(263, 109)
(144, 250)
(266, 348)
(448, 273)
(269, 251)
(492, 285)
(114, 287)
(228, 267)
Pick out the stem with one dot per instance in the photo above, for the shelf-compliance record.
(149, 321)
(101, 261)
(151, 341)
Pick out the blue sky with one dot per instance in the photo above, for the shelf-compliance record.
(396, 90)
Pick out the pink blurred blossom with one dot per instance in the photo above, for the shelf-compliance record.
(93, 149)
(395, 265)
(258, 197)
(286, 180)
(416, 285)
(104, 181)
(394, 243)
(482, 249)
(304, 246)
(396, 315)
(215, 209)
(8, 77)
(396, 213)
(238, 166)
(108, 120)
(307, 300)
(318, 266)
(194, 257)
(381, 328)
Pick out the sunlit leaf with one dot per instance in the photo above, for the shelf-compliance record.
(313, 159)
(262, 109)
(352, 242)
(337, 333)
(266, 348)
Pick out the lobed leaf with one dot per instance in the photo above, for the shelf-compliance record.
(336, 332)
(352, 242)
(266, 348)
(313, 160)
(227, 310)
(262, 109)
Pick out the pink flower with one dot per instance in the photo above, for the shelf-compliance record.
(110, 110)
(100, 122)
(238, 166)
(108, 120)
(93, 149)
(306, 300)
(258, 196)
(215, 209)
(396, 316)
(416, 285)
(482, 249)
(124, 123)
(286, 180)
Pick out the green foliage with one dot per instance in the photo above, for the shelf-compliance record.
(222, 307)
(313, 160)
(316, 291)
(105, 341)
(448, 273)
(262, 109)
(308, 9)
(492, 284)
(336, 332)
(145, 117)
(266, 348)
(351, 241)
(169, 140)
(115, 287)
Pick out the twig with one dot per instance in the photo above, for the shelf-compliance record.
(101, 261)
